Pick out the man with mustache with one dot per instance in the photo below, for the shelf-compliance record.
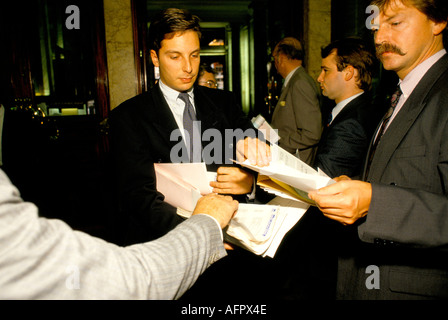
(400, 209)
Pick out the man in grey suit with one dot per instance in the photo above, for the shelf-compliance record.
(400, 210)
(297, 115)
(46, 259)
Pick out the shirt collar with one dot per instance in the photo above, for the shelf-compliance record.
(409, 83)
(338, 108)
(289, 76)
(172, 95)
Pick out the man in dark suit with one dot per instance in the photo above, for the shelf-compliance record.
(142, 130)
(149, 128)
(346, 78)
(400, 210)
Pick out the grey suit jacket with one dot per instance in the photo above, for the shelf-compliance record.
(297, 116)
(405, 233)
(45, 259)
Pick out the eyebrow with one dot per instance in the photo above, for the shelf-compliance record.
(178, 52)
(389, 18)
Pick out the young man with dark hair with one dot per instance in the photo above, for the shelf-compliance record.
(346, 78)
(142, 127)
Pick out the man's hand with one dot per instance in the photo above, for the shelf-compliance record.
(345, 201)
(257, 152)
(232, 180)
(222, 208)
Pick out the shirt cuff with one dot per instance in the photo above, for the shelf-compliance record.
(217, 224)
(251, 196)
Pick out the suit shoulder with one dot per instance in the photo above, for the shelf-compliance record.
(133, 104)
(301, 78)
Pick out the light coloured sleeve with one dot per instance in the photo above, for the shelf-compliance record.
(45, 259)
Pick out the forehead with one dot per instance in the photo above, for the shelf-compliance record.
(393, 7)
(330, 60)
(181, 40)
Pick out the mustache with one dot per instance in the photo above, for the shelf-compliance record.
(388, 47)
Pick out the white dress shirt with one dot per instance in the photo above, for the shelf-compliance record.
(177, 106)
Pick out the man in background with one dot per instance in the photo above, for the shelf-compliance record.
(297, 115)
(346, 78)
(207, 77)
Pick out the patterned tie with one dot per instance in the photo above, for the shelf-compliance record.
(192, 140)
(393, 103)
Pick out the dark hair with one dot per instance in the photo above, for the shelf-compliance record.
(168, 22)
(435, 10)
(291, 47)
(203, 68)
(356, 53)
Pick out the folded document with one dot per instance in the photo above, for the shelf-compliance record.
(261, 228)
(289, 177)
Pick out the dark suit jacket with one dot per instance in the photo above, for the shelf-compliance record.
(342, 150)
(140, 136)
(405, 233)
(343, 145)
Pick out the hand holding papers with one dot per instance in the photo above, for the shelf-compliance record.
(257, 228)
(254, 151)
(261, 228)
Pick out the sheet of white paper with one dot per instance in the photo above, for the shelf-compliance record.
(286, 168)
(176, 192)
(294, 212)
(192, 173)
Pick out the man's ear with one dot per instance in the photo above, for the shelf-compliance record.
(154, 58)
(349, 73)
(439, 27)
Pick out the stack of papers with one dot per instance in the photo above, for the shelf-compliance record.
(289, 177)
(261, 228)
(268, 225)
(255, 227)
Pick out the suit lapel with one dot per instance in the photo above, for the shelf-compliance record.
(348, 109)
(159, 109)
(206, 110)
(404, 120)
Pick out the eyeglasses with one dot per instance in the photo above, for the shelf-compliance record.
(210, 83)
